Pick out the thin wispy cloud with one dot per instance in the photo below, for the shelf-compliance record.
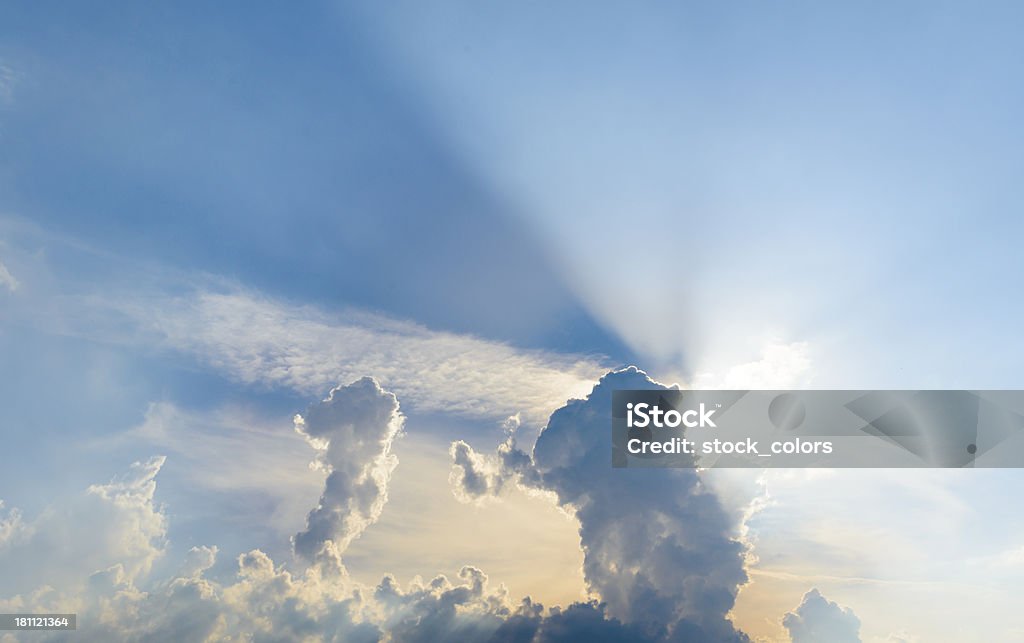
(8, 79)
(7, 280)
(260, 341)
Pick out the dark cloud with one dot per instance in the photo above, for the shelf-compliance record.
(578, 622)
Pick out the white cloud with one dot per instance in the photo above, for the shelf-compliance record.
(1011, 557)
(12, 527)
(352, 430)
(819, 620)
(7, 280)
(257, 340)
(232, 465)
(780, 366)
(198, 560)
(476, 477)
(110, 524)
(900, 636)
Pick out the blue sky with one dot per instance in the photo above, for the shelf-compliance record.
(212, 215)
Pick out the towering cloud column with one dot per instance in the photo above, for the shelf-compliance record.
(657, 544)
(352, 429)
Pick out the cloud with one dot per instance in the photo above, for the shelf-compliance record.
(11, 526)
(441, 611)
(819, 620)
(901, 636)
(476, 477)
(7, 280)
(261, 341)
(578, 622)
(780, 366)
(1009, 558)
(198, 560)
(110, 524)
(352, 430)
(267, 342)
(233, 452)
(8, 79)
(266, 602)
(657, 547)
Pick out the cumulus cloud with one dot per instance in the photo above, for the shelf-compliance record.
(352, 430)
(477, 477)
(819, 620)
(110, 524)
(441, 611)
(262, 603)
(474, 477)
(657, 547)
(266, 602)
(657, 557)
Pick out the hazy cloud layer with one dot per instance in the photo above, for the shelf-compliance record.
(257, 340)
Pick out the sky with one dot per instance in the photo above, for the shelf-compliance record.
(217, 221)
